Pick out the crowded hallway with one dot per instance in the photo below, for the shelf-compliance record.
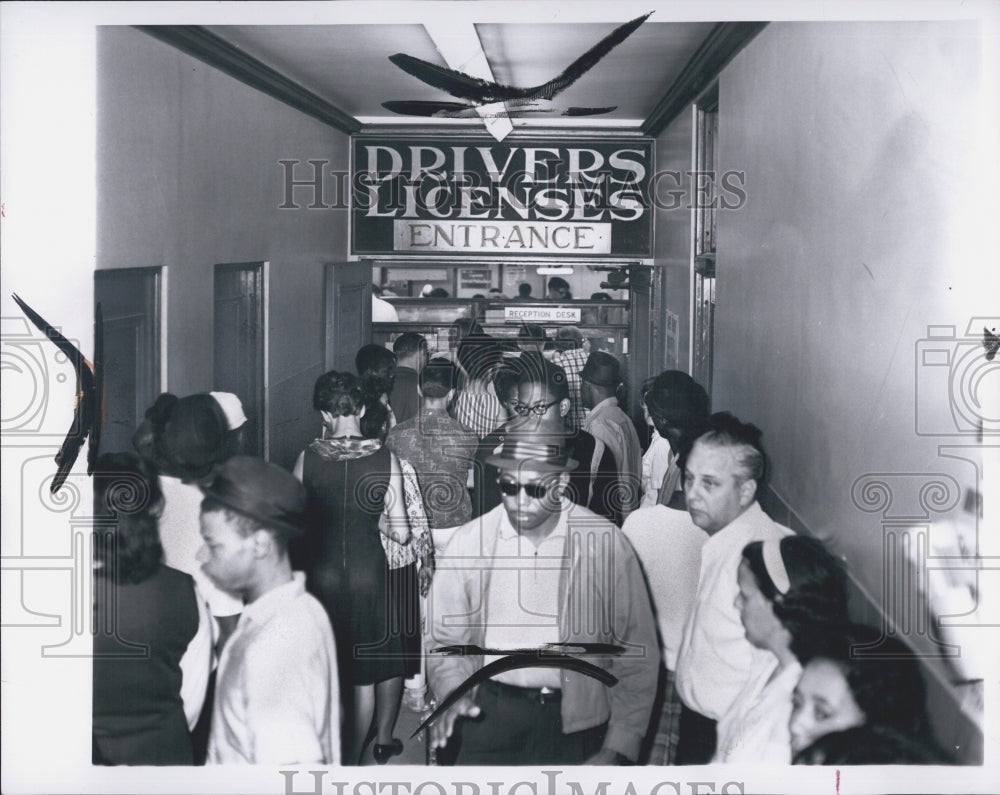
(660, 437)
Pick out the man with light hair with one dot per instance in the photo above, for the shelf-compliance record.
(722, 475)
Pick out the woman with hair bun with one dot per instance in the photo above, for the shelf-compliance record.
(786, 586)
(355, 493)
(853, 708)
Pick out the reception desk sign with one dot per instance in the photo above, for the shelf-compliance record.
(470, 196)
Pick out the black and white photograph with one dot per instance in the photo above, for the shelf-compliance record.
(466, 397)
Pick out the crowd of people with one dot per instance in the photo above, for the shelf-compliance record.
(487, 517)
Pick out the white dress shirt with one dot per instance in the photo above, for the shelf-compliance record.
(277, 700)
(716, 660)
(668, 545)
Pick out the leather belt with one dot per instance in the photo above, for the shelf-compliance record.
(539, 695)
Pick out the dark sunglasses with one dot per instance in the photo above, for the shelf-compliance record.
(523, 409)
(535, 491)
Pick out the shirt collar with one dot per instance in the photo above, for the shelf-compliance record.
(264, 607)
(507, 530)
(610, 401)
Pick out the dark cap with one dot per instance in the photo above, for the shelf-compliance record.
(602, 369)
(526, 449)
(262, 491)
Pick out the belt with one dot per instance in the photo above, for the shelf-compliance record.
(539, 695)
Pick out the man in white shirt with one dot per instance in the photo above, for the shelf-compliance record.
(668, 545)
(277, 700)
(722, 474)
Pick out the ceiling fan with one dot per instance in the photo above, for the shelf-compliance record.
(514, 100)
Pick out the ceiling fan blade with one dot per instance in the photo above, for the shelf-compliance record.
(479, 91)
(585, 62)
(408, 107)
(588, 111)
(458, 84)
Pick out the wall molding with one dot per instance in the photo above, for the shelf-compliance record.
(721, 45)
(215, 51)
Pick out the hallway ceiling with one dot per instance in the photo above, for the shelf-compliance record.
(348, 65)
(344, 70)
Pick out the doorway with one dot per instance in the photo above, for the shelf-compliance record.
(241, 345)
(130, 300)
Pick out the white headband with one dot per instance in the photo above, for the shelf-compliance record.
(232, 407)
(775, 566)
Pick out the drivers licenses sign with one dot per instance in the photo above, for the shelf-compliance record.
(522, 197)
(542, 314)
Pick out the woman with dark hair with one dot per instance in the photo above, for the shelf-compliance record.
(351, 482)
(152, 629)
(677, 407)
(786, 586)
(657, 456)
(855, 708)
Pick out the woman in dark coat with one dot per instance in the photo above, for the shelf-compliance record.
(355, 493)
(150, 628)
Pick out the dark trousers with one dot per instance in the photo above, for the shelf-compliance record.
(519, 726)
(696, 745)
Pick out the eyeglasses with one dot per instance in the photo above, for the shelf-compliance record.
(536, 491)
(523, 409)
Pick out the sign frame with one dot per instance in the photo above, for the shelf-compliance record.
(534, 235)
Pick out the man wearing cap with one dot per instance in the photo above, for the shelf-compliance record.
(533, 571)
(612, 428)
(721, 479)
(277, 699)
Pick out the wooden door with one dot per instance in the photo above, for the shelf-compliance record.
(130, 302)
(240, 342)
(348, 312)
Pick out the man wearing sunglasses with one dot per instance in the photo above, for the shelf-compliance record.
(538, 570)
(544, 406)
